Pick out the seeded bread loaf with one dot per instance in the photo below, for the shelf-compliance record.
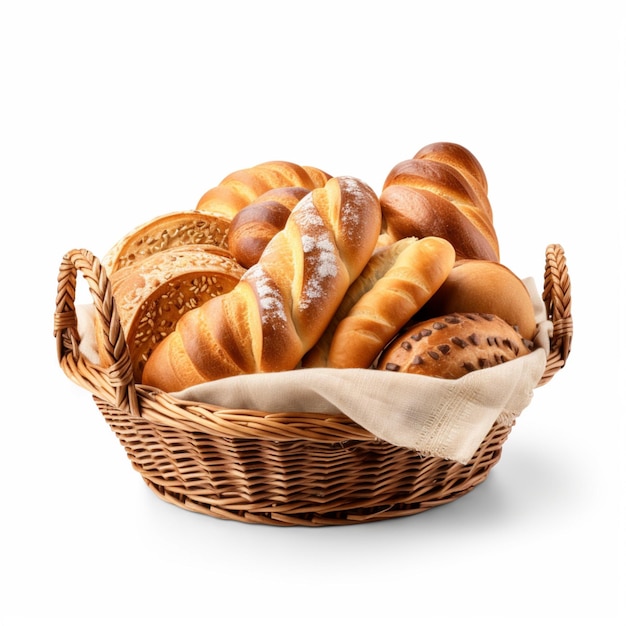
(154, 292)
(180, 228)
(453, 345)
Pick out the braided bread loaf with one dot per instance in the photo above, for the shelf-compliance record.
(441, 192)
(242, 187)
(282, 304)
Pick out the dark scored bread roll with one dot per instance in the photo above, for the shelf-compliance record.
(453, 345)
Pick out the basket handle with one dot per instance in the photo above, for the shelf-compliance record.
(112, 380)
(557, 300)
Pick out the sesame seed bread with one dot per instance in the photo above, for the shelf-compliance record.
(180, 228)
(154, 292)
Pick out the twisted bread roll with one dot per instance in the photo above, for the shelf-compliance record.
(281, 305)
(381, 312)
(242, 187)
(441, 192)
(252, 228)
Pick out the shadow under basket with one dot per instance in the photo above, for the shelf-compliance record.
(287, 469)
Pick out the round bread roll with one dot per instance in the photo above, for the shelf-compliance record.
(453, 345)
(154, 292)
(480, 286)
(253, 228)
(164, 232)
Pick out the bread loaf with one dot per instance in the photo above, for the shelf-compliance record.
(165, 232)
(378, 265)
(282, 304)
(442, 192)
(480, 286)
(154, 292)
(453, 345)
(254, 226)
(381, 311)
(288, 196)
(242, 187)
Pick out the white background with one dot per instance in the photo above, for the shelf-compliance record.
(115, 112)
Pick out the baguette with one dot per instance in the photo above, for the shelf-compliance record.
(283, 303)
(379, 264)
(394, 299)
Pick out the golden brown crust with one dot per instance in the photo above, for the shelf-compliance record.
(453, 345)
(412, 212)
(480, 286)
(382, 311)
(446, 177)
(282, 304)
(378, 265)
(253, 228)
(180, 228)
(242, 187)
(153, 293)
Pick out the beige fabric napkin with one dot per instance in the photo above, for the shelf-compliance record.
(442, 418)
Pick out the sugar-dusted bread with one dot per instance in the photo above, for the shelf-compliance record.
(154, 292)
(453, 345)
(283, 303)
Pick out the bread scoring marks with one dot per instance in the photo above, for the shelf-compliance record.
(271, 303)
(320, 263)
(354, 196)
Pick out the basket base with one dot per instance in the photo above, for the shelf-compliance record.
(295, 483)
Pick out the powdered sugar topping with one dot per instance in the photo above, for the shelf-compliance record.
(271, 303)
(320, 252)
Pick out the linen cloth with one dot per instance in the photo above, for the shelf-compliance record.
(442, 418)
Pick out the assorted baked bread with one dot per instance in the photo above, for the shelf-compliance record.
(282, 266)
(153, 293)
(283, 303)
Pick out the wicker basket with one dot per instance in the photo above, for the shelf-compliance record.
(278, 469)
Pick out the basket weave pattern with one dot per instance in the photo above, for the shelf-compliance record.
(279, 469)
